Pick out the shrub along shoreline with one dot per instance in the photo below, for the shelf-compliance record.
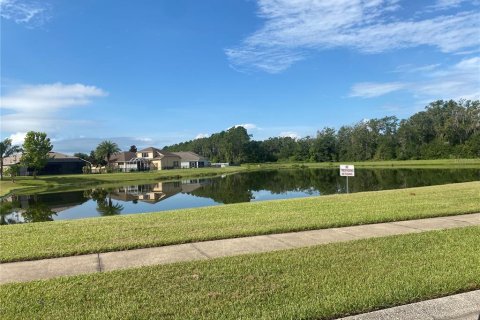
(64, 238)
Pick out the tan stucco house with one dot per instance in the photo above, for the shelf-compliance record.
(160, 159)
(192, 160)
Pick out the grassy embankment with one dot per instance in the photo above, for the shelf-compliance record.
(319, 282)
(63, 238)
(78, 182)
(394, 164)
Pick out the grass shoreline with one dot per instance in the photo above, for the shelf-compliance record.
(70, 182)
(321, 282)
(384, 164)
(93, 235)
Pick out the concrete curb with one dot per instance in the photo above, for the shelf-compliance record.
(91, 263)
(464, 306)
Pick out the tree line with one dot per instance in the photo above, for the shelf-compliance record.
(445, 129)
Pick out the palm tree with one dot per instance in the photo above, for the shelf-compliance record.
(107, 208)
(105, 150)
(6, 150)
(105, 205)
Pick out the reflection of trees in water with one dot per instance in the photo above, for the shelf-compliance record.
(38, 212)
(240, 187)
(235, 188)
(107, 208)
(105, 205)
(7, 208)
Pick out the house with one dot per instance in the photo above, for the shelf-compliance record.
(128, 161)
(192, 160)
(14, 159)
(58, 163)
(159, 159)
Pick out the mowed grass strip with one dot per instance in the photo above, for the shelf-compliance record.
(386, 164)
(319, 282)
(63, 238)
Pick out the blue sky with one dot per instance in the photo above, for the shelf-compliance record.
(154, 72)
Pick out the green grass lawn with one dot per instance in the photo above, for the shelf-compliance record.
(63, 238)
(319, 282)
(82, 181)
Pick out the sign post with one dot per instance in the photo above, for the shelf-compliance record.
(347, 170)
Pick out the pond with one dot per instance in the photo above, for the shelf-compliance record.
(241, 187)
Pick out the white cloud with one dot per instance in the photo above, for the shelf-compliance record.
(448, 4)
(144, 139)
(370, 89)
(290, 134)
(49, 97)
(293, 28)
(27, 12)
(38, 107)
(458, 81)
(202, 135)
(408, 68)
(18, 138)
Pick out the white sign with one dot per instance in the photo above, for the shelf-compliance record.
(347, 170)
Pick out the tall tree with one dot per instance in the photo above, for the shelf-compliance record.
(324, 147)
(133, 148)
(35, 151)
(105, 150)
(81, 155)
(6, 150)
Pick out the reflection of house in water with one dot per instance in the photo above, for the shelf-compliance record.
(153, 193)
(191, 185)
(55, 202)
(160, 191)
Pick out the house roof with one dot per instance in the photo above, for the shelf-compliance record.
(158, 154)
(164, 154)
(149, 149)
(123, 156)
(54, 157)
(15, 159)
(60, 157)
(189, 156)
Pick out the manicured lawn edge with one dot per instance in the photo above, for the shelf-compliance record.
(390, 164)
(93, 235)
(321, 282)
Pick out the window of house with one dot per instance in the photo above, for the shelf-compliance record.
(144, 154)
(175, 163)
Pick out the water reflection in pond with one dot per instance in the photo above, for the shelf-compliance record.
(243, 187)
